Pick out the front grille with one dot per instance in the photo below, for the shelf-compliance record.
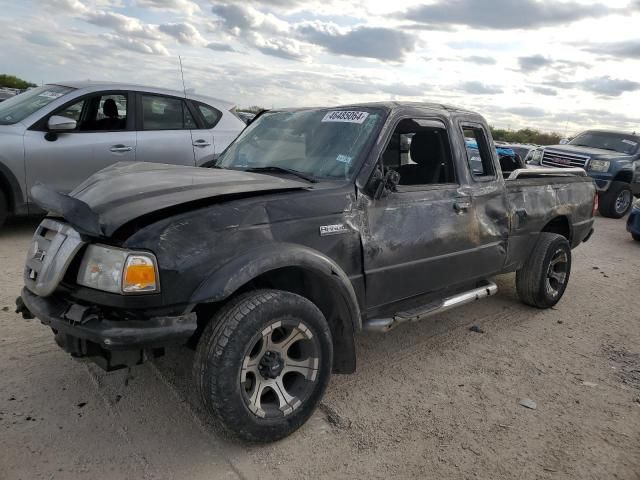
(564, 160)
(54, 246)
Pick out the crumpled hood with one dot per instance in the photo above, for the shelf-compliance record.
(128, 190)
(598, 153)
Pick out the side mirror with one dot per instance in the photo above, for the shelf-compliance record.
(58, 123)
(382, 183)
(564, 141)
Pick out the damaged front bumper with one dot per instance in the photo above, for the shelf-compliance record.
(112, 344)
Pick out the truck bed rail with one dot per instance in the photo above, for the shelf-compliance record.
(547, 172)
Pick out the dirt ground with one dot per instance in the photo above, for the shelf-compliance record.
(429, 400)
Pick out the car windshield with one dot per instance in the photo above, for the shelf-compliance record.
(616, 142)
(322, 143)
(18, 108)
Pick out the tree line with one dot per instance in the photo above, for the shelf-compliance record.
(11, 81)
(525, 135)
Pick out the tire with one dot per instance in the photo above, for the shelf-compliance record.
(240, 352)
(636, 237)
(542, 280)
(617, 201)
(4, 208)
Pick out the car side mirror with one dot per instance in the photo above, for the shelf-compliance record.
(59, 123)
(564, 141)
(380, 184)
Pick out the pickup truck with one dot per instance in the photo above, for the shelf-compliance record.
(612, 159)
(312, 226)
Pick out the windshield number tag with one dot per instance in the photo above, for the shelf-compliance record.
(346, 116)
(629, 142)
(333, 229)
(48, 94)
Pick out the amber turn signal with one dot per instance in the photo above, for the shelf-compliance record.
(139, 274)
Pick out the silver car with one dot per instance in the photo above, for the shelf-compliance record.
(62, 133)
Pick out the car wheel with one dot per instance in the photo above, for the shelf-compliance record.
(542, 280)
(617, 201)
(636, 237)
(4, 208)
(263, 363)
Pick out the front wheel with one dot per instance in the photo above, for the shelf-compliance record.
(617, 201)
(4, 208)
(542, 280)
(263, 364)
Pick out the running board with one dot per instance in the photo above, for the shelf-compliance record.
(385, 324)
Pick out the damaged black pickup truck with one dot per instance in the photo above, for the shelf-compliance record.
(313, 225)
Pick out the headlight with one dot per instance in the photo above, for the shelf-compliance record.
(119, 271)
(599, 165)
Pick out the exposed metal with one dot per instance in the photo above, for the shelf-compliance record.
(557, 273)
(386, 324)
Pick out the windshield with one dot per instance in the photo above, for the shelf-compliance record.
(21, 106)
(321, 143)
(617, 142)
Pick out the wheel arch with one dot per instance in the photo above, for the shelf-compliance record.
(625, 176)
(10, 187)
(299, 270)
(560, 225)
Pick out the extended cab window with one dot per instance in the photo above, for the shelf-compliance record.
(165, 113)
(478, 153)
(419, 151)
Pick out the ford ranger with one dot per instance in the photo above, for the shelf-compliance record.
(313, 225)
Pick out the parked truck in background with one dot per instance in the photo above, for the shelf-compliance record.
(612, 159)
(313, 225)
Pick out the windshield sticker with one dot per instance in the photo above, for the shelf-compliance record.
(344, 159)
(347, 116)
(52, 95)
(629, 142)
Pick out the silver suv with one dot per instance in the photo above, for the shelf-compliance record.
(60, 134)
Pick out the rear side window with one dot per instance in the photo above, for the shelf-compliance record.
(479, 156)
(210, 115)
(165, 113)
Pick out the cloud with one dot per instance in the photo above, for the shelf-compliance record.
(184, 33)
(503, 14)
(48, 41)
(181, 6)
(221, 47)
(478, 88)
(121, 24)
(604, 86)
(627, 49)
(370, 42)
(137, 45)
(478, 60)
(239, 18)
(544, 91)
(533, 112)
(533, 63)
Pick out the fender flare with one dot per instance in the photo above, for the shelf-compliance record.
(245, 267)
(226, 280)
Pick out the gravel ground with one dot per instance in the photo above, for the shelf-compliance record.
(429, 400)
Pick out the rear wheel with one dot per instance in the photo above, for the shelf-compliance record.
(542, 280)
(263, 364)
(616, 202)
(4, 208)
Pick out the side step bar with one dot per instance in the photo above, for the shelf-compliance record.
(385, 324)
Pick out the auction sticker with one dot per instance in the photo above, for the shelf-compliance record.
(347, 116)
(629, 142)
(49, 94)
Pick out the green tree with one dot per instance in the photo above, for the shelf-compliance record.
(11, 81)
(525, 135)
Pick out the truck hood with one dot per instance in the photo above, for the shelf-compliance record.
(129, 190)
(598, 153)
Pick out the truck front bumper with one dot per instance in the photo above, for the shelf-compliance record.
(83, 332)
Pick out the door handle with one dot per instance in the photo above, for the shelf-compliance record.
(120, 148)
(461, 206)
(201, 143)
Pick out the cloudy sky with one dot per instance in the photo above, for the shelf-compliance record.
(551, 64)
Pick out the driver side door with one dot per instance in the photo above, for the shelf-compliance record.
(63, 160)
